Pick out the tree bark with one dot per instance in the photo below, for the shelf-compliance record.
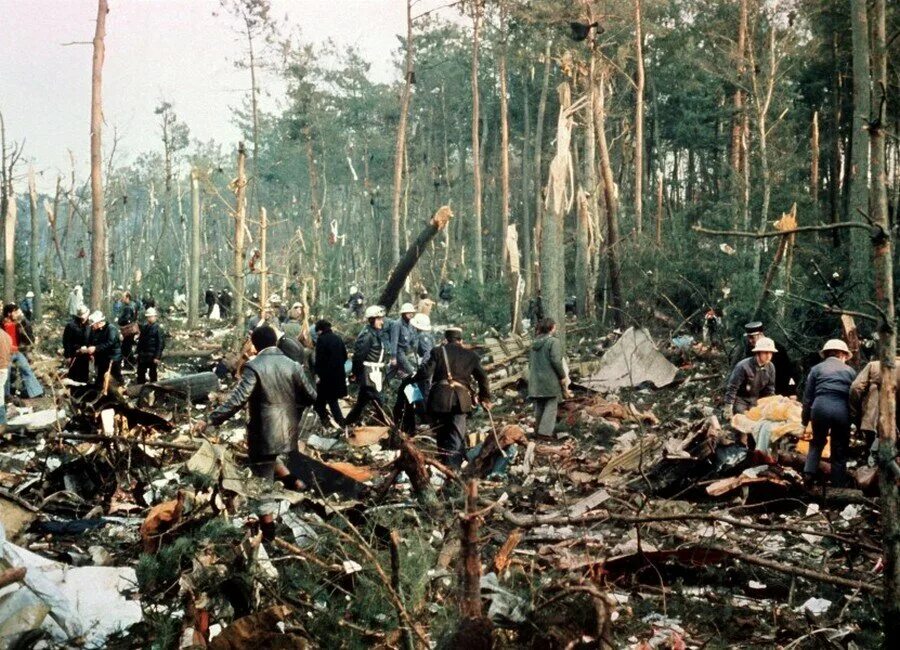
(240, 218)
(814, 163)
(400, 150)
(859, 151)
(558, 202)
(8, 214)
(35, 260)
(638, 122)
(99, 263)
(470, 557)
(477, 8)
(263, 267)
(609, 195)
(659, 207)
(887, 335)
(193, 293)
(737, 159)
(53, 220)
(526, 196)
(538, 165)
(403, 268)
(504, 141)
(834, 189)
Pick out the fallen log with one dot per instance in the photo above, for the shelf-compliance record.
(10, 576)
(405, 266)
(196, 387)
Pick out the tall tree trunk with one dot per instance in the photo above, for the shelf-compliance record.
(316, 210)
(7, 214)
(254, 109)
(638, 122)
(859, 167)
(834, 184)
(99, 263)
(587, 305)
(504, 142)
(609, 195)
(538, 163)
(559, 195)
(263, 262)
(240, 218)
(659, 207)
(35, 260)
(737, 157)
(53, 220)
(526, 196)
(887, 334)
(193, 292)
(477, 8)
(400, 150)
(814, 163)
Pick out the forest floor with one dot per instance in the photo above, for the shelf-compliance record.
(641, 523)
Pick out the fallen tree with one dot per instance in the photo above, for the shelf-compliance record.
(406, 264)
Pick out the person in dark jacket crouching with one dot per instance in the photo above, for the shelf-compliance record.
(450, 370)
(826, 403)
(75, 345)
(331, 357)
(276, 389)
(151, 342)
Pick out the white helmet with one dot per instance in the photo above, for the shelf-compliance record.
(30, 294)
(421, 322)
(764, 344)
(407, 308)
(275, 299)
(834, 345)
(374, 311)
(96, 317)
(151, 311)
(354, 289)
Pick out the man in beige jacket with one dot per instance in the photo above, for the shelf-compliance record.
(864, 400)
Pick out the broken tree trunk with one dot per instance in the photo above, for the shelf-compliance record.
(470, 556)
(34, 253)
(193, 292)
(99, 264)
(240, 216)
(787, 222)
(887, 331)
(403, 268)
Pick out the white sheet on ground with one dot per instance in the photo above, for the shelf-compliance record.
(632, 361)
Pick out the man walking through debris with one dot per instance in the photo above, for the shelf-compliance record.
(128, 327)
(331, 356)
(752, 378)
(150, 347)
(401, 337)
(75, 346)
(547, 378)
(864, 407)
(28, 306)
(368, 366)
(75, 300)
(106, 349)
(224, 304)
(826, 405)
(786, 372)
(12, 325)
(210, 299)
(356, 303)
(451, 370)
(276, 390)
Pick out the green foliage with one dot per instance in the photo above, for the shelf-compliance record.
(482, 307)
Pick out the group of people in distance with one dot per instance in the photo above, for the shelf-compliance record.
(834, 397)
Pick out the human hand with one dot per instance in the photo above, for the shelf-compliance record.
(156, 362)
(393, 362)
(92, 349)
(200, 426)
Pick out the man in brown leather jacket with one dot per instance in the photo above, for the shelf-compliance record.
(276, 389)
(450, 370)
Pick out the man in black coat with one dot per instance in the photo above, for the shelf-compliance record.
(331, 357)
(787, 374)
(450, 370)
(150, 347)
(276, 390)
(210, 299)
(106, 348)
(224, 303)
(127, 316)
(75, 346)
(369, 359)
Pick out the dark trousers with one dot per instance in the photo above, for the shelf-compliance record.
(367, 395)
(144, 366)
(830, 418)
(80, 368)
(450, 430)
(322, 406)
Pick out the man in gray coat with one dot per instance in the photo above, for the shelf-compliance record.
(752, 378)
(276, 389)
(547, 379)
